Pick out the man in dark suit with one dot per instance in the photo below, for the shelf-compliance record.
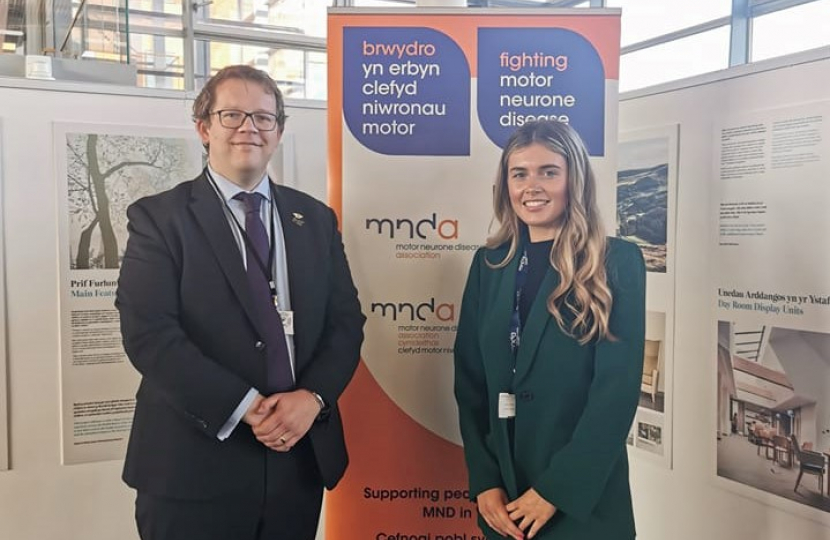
(238, 308)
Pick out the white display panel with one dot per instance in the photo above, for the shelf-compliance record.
(101, 170)
(39, 496)
(4, 394)
(646, 215)
(773, 302)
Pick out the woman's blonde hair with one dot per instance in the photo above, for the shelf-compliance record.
(581, 302)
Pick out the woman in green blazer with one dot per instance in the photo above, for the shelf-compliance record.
(549, 351)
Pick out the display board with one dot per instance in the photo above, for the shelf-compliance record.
(101, 170)
(773, 301)
(420, 105)
(646, 215)
(4, 396)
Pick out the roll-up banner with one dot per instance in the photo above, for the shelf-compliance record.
(421, 102)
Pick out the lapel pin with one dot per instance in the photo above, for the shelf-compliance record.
(298, 218)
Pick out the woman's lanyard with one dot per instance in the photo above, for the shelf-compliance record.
(507, 399)
(515, 319)
(266, 268)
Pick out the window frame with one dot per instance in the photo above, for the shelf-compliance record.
(196, 31)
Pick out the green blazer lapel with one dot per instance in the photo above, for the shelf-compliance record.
(495, 338)
(500, 291)
(534, 328)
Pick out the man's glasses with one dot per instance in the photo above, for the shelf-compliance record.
(233, 119)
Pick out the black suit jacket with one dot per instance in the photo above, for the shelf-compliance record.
(188, 326)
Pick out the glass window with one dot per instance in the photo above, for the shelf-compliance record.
(98, 31)
(645, 19)
(170, 7)
(316, 74)
(13, 26)
(299, 74)
(156, 43)
(701, 53)
(306, 17)
(791, 30)
(159, 60)
(148, 21)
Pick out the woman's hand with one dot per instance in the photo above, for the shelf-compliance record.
(532, 510)
(491, 506)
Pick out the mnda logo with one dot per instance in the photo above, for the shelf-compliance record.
(446, 229)
(415, 312)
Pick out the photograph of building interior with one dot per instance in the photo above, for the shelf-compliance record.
(772, 410)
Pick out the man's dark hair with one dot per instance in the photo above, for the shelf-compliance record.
(207, 97)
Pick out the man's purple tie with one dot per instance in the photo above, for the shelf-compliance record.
(278, 364)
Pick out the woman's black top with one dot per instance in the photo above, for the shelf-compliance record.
(538, 262)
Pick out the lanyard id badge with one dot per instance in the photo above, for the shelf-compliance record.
(287, 321)
(507, 405)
